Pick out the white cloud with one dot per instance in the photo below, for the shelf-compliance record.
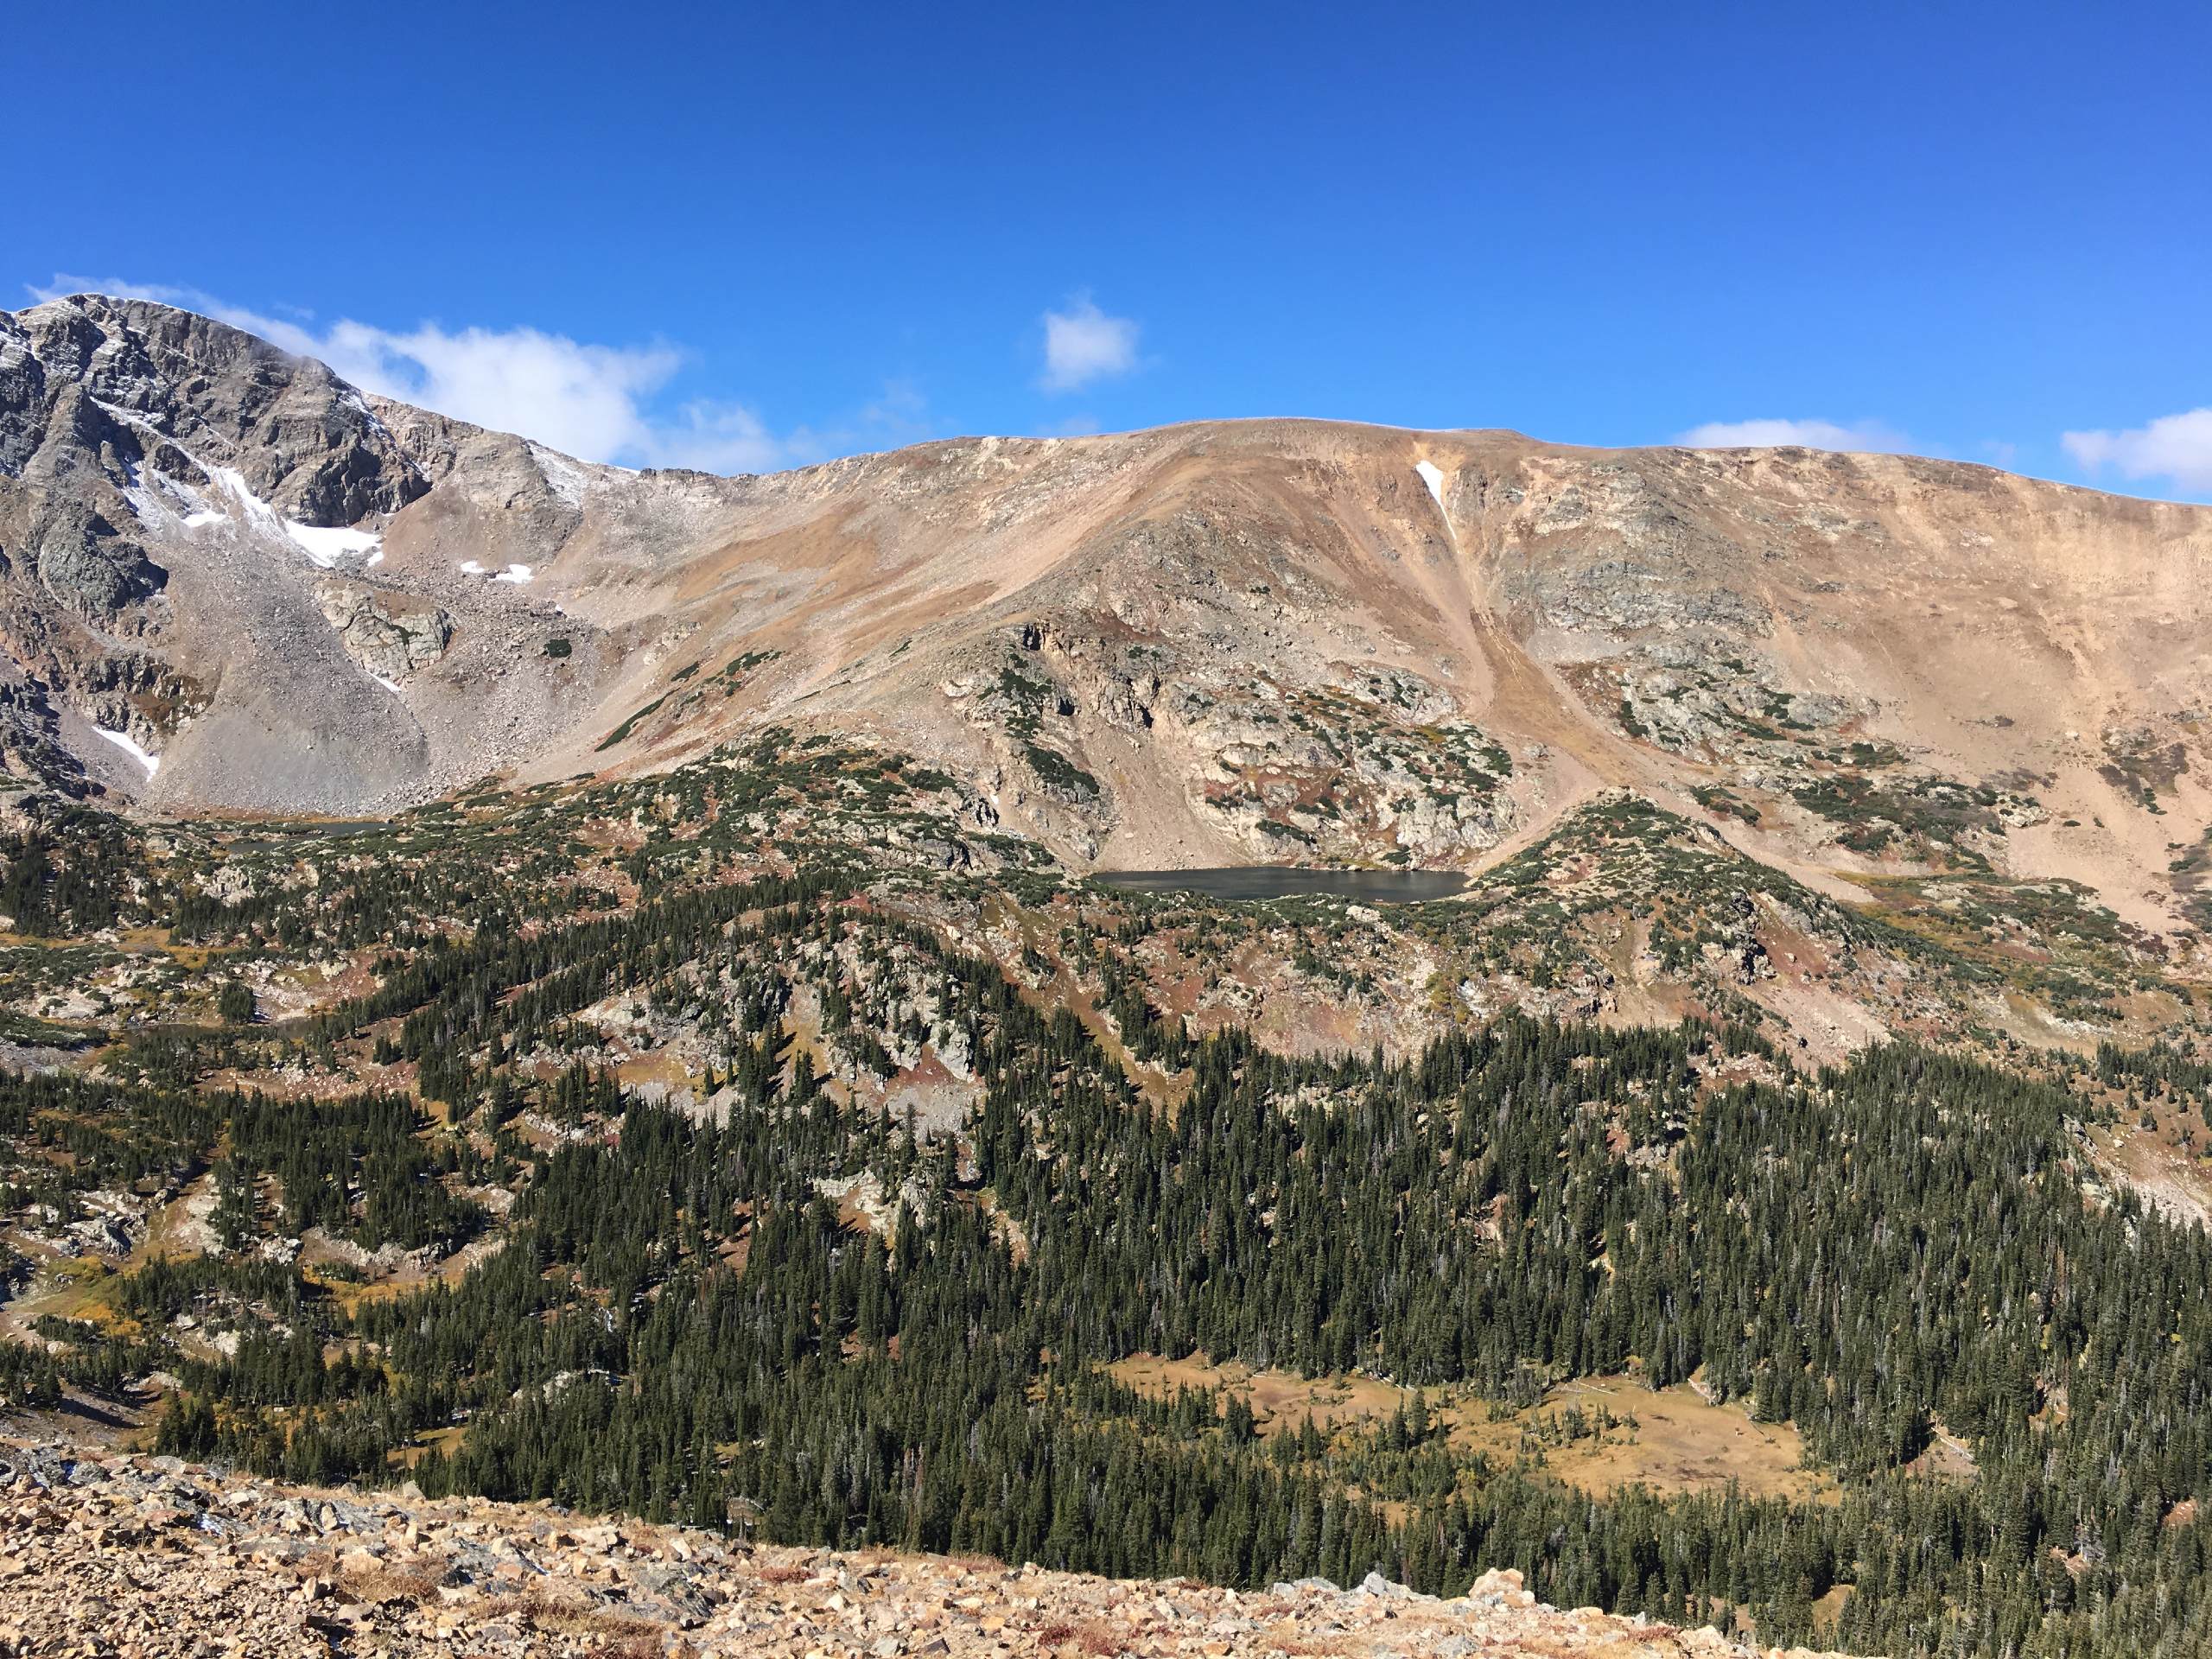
(1083, 343)
(115, 287)
(1805, 435)
(2176, 446)
(582, 399)
(719, 437)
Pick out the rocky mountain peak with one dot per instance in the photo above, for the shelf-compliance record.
(177, 386)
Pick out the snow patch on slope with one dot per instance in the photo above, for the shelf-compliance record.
(259, 512)
(155, 496)
(562, 476)
(124, 741)
(1431, 475)
(327, 547)
(514, 573)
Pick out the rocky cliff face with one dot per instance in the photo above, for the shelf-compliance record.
(114, 416)
(1215, 643)
(198, 555)
(134, 384)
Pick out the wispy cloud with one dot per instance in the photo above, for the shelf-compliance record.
(900, 413)
(115, 288)
(1806, 435)
(2174, 447)
(584, 399)
(1084, 344)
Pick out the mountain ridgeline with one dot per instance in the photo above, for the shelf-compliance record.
(549, 982)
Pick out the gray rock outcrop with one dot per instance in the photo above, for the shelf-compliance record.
(391, 634)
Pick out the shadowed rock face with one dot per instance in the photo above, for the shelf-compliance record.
(133, 383)
(1210, 644)
(193, 528)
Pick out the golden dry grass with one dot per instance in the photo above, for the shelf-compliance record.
(1683, 1442)
(658, 1066)
(2171, 1175)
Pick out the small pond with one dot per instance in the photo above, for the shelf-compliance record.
(1283, 881)
(284, 834)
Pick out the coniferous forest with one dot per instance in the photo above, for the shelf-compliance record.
(685, 1309)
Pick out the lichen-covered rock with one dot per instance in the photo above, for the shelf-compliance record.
(391, 634)
(89, 565)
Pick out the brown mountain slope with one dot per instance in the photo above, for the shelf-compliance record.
(1210, 643)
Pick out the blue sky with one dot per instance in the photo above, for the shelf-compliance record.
(740, 237)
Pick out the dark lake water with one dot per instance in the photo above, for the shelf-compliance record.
(268, 837)
(1282, 881)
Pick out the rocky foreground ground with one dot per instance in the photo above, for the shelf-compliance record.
(149, 1556)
